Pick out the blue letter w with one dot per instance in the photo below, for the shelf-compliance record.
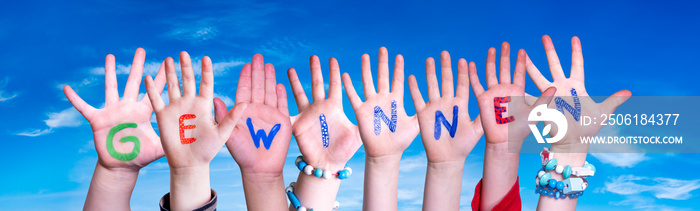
(266, 139)
(439, 118)
(575, 111)
(379, 114)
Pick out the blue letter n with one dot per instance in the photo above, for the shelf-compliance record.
(440, 118)
(379, 114)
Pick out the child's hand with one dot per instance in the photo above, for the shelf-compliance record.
(496, 123)
(333, 149)
(189, 134)
(124, 137)
(447, 131)
(260, 141)
(385, 128)
(267, 111)
(569, 86)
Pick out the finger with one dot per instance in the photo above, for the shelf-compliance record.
(505, 63)
(355, 100)
(552, 59)
(258, 79)
(220, 109)
(154, 95)
(611, 103)
(519, 75)
(282, 104)
(397, 83)
(189, 86)
(463, 79)
(318, 91)
(78, 102)
(447, 80)
(229, 121)
(576, 59)
(243, 91)
(418, 101)
(335, 87)
(270, 86)
(173, 82)
(474, 79)
(131, 90)
(546, 96)
(206, 86)
(367, 83)
(431, 78)
(111, 87)
(297, 90)
(491, 78)
(540, 81)
(383, 71)
(159, 83)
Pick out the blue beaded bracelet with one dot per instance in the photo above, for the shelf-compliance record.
(310, 170)
(294, 201)
(557, 194)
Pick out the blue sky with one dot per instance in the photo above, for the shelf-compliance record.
(647, 47)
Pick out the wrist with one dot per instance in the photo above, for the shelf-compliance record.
(189, 187)
(262, 178)
(383, 160)
(446, 165)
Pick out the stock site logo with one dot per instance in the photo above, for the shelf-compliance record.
(547, 116)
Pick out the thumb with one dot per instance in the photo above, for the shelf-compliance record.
(546, 96)
(615, 100)
(219, 109)
(229, 121)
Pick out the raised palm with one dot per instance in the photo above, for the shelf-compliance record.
(518, 108)
(381, 140)
(567, 87)
(342, 136)
(452, 143)
(189, 134)
(117, 113)
(267, 107)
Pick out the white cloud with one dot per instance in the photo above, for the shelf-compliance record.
(661, 188)
(35, 133)
(151, 68)
(4, 95)
(66, 118)
(198, 33)
(87, 82)
(627, 160)
(619, 155)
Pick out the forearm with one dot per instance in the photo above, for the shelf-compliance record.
(316, 192)
(381, 183)
(500, 173)
(443, 185)
(264, 191)
(110, 189)
(563, 159)
(189, 187)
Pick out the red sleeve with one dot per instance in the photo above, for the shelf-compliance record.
(511, 201)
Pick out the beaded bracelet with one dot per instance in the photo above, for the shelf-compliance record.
(549, 163)
(571, 187)
(545, 191)
(309, 170)
(295, 201)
